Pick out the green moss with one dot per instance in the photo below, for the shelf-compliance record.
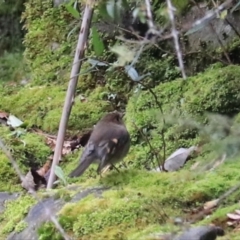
(45, 107)
(14, 213)
(27, 149)
(132, 207)
(46, 41)
(8, 177)
(216, 90)
(13, 67)
(20, 226)
(184, 105)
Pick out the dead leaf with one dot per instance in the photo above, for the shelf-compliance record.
(233, 216)
(237, 211)
(44, 169)
(195, 165)
(211, 204)
(28, 182)
(4, 115)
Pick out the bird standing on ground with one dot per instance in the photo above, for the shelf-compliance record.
(108, 144)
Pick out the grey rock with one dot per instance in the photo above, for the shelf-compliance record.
(201, 233)
(38, 214)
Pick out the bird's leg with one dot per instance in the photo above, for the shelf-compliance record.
(106, 168)
(99, 169)
(115, 167)
(124, 164)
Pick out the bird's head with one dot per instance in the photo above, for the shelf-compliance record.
(116, 117)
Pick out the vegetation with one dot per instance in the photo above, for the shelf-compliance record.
(163, 113)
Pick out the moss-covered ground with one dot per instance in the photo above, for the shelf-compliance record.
(139, 202)
(202, 110)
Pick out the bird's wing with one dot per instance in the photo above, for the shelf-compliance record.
(87, 158)
(113, 138)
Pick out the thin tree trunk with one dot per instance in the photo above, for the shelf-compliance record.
(79, 55)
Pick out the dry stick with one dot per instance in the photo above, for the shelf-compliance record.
(164, 122)
(232, 26)
(175, 37)
(149, 14)
(79, 54)
(220, 200)
(214, 32)
(33, 192)
(226, 5)
(149, 144)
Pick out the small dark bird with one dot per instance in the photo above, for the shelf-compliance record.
(108, 144)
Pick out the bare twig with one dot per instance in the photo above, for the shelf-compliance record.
(215, 33)
(153, 151)
(232, 26)
(220, 200)
(33, 192)
(163, 119)
(149, 15)
(79, 54)
(175, 37)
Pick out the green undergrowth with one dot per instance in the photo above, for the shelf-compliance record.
(142, 202)
(12, 67)
(181, 115)
(47, 44)
(41, 106)
(28, 150)
(16, 210)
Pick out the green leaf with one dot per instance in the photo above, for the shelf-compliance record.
(198, 27)
(17, 133)
(125, 54)
(72, 10)
(98, 45)
(95, 63)
(59, 173)
(103, 11)
(114, 9)
(132, 72)
(111, 8)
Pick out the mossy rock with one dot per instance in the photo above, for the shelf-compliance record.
(15, 211)
(216, 90)
(129, 209)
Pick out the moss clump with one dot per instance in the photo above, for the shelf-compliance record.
(28, 150)
(216, 90)
(8, 177)
(184, 107)
(12, 67)
(45, 107)
(46, 41)
(14, 213)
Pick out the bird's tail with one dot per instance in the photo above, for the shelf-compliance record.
(81, 168)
